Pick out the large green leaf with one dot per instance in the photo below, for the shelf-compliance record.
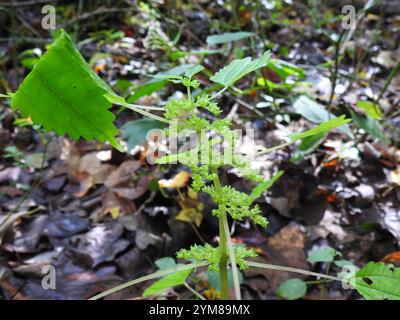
(321, 128)
(135, 132)
(314, 112)
(62, 93)
(239, 68)
(227, 37)
(378, 281)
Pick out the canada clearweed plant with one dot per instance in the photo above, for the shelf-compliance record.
(63, 94)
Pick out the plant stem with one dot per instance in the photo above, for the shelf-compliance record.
(392, 74)
(283, 145)
(235, 273)
(139, 109)
(223, 263)
(289, 269)
(335, 74)
(158, 274)
(219, 93)
(189, 97)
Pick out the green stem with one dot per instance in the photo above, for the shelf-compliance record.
(235, 273)
(139, 109)
(335, 73)
(283, 145)
(219, 93)
(223, 263)
(189, 97)
(387, 83)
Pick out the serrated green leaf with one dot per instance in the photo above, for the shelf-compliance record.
(170, 281)
(378, 281)
(314, 112)
(62, 93)
(320, 129)
(238, 69)
(135, 132)
(193, 70)
(327, 254)
(292, 289)
(227, 37)
(370, 108)
(260, 188)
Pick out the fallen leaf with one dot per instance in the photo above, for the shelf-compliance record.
(190, 215)
(123, 174)
(393, 257)
(178, 181)
(284, 248)
(85, 183)
(115, 205)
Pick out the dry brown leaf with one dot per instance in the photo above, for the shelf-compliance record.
(285, 248)
(85, 183)
(123, 174)
(91, 164)
(115, 205)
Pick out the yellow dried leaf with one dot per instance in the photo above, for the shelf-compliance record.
(179, 181)
(192, 194)
(190, 215)
(395, 176)
(115, 212)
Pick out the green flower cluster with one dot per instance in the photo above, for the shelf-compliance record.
(204, 161)
(212, 255)
(236, 203)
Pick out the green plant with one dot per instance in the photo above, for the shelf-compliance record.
(63, 94)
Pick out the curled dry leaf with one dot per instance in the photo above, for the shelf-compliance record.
(123, 174)
(178, 181)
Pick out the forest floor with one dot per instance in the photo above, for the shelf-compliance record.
(102, 217)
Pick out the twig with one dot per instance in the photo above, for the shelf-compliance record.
(25, 3)
(98, 11)
(198, 295)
